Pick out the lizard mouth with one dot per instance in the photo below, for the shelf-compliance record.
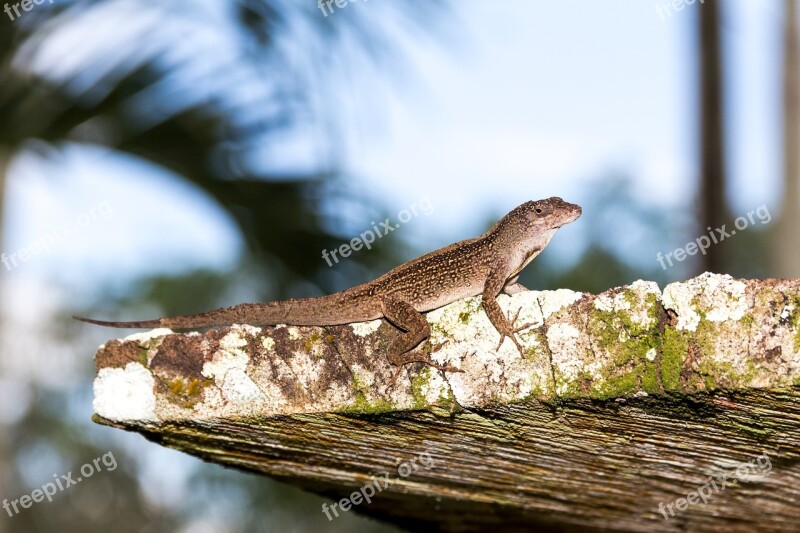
(573, 216)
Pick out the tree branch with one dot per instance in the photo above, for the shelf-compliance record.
(624, 405)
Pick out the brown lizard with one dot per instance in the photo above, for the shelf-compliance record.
(484, 265)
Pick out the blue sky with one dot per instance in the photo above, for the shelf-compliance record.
(520, 100)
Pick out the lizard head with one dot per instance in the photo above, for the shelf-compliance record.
(549, 214)
(531, 225)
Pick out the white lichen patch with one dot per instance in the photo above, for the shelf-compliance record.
(294, 332)
(489, 373)
(459, 323)
(433, 387)
(553, 301)
(233, 342)
(364, 379)
(145, 336)
(268, 343)
(725, 298)
(362, 329)
(563, 340)
(237, 387)
(228, 369)
(334, 397)
(720, 297)
(527, 304)
(303, 366)
(632, 300)
(678, 297)
(643, 287)
(611, 302)
(125, 394)
(246, 328)
(651, 354)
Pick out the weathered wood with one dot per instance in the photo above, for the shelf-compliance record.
(623, 403)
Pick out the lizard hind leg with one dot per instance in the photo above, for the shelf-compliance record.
(415, 330)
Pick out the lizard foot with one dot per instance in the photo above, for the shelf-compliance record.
(424, 358)
(511, 336)
(523, 327)
(512, 331)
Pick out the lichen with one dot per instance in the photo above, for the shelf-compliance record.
(312, 339)
(142, 358)
(186, 394)
(362, 403)
(122, 394)
(629, 342)
(419, 384)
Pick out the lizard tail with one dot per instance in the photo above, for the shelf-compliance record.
(140, 324)
(323, 311)
(254, 314)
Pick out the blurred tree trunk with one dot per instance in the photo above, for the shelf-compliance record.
(786, 249)
(713, 210)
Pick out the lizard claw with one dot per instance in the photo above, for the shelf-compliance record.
(436, 347)
(523, 327)
(394, 378)
(513, 339)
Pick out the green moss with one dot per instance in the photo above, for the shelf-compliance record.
(706, 336)
(616, 386)
(176, 386)
(630, 297)
(537, 393)
(418, 385)
(674, 349)
(447, 402)
(311, 340)
(723, 374)
(362, 405)
(794, 321)
(630, 342)
(186, 393)
(471, 307)
(439, 330)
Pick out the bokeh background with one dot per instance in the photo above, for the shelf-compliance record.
(160, 158)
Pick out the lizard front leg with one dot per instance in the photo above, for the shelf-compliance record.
(494, 284)
(416, 329)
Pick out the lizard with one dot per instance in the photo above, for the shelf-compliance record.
(485, 265)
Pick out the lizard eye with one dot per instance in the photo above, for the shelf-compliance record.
(538, 210)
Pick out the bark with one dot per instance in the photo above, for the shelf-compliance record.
(623, 404)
